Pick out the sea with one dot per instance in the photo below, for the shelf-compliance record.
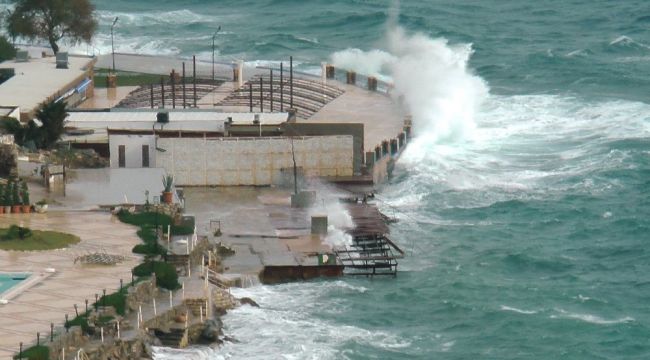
(523, 200)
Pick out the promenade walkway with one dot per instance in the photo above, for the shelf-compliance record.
(48, 301)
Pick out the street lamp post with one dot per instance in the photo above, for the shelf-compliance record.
(213, 38)
(112, 43)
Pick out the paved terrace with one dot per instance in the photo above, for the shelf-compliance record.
(48, 302)
(38, 81)
(382, 116)
(258, 223)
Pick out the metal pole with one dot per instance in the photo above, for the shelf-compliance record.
(162, 89)
(151, 85)
(271, 83)
(112, 43)
(194, 74)
(213, 37)
(184, 95)
(281, 88)
(261, 94)
(250, 96)
(291, 81)
(173, 89)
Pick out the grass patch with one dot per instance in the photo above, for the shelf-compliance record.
(166, 276)
(35, 240)
(39, 352)
(116, 300)
(126, 78)
(81, 320)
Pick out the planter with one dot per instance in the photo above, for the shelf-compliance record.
(27, 209)
(2, 209)
(41, 209)
(15, 209)
(167, 197)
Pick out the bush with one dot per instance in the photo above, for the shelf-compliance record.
(150, 219)
(166, 276)
(16, 232)
(116, 300)
(7, 51)
(149, 249)
(81, 320)
(35, 353)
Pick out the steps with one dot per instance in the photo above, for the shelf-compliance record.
(175, 338)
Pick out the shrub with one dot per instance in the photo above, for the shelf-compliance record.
(166, 276)
(17, 232)
(39, 352)
(81, 320)
(149, 249)
(7, 51)
(116, 300)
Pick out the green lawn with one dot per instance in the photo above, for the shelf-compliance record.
(128, 78)
(125, 78)
(35, 353)
(38, 240)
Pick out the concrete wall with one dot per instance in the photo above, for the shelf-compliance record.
(252, 161)
(320, 129)
(133, 148)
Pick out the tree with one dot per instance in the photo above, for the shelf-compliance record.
(7, 51)
(52, 116)
(52, 20)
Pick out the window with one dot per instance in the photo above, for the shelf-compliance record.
(145, 156)
(121, 156)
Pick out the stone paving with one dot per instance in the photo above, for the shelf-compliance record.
(48, 301)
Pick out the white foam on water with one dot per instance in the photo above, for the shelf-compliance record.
(589, 318)
(524, 146)
(292, 322)
(430, 77)
(519, 311)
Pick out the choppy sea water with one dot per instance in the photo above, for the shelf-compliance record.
(523, 204)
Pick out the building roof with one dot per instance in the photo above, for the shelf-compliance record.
(38, 81)
(7, 110)
(139, 121)
(114, 119)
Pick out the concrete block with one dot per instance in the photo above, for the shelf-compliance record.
(303, 199)
(319, 225)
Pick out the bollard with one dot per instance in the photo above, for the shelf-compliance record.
(51, 332)
(155, 313)
(171, 300)
(351, 77)
(183, 287)
(67, 328)
(121, 284)
(118, 329)
(330, 70)
(101, 330)
(372, 83)
(201, 310)
(38, 338)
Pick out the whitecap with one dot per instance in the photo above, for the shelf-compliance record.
(520, 311)
(589, 318)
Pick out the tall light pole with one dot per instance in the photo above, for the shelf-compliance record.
(112, 43)
(213, 38)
